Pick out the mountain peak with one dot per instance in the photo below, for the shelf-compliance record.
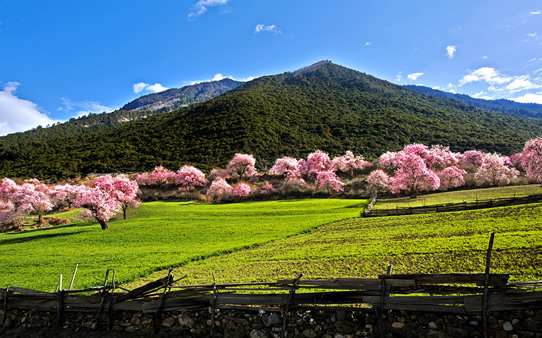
(311, 68)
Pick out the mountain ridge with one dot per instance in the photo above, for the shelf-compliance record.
(331, 108)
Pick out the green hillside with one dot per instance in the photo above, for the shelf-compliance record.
(325, 107)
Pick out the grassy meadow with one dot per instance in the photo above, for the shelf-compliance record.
(156, 236)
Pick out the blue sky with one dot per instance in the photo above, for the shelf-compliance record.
(60, 59)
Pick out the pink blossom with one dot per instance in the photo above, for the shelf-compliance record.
(378, 181)
(531, 159)
(121, 189)
(316, 162)
(287, 166)
(218, 173)
(7, 212)
(159, 176)
(440, 157)
(389, 161)
(241, 190)
(473, 157)
(452, 177)
(413, 176)
(348, 163)
(99, 203)
(242, 166)
(495, 171)
(328, 180)
(32, 197)
(189, 178)
(267, 188)
(219, 190)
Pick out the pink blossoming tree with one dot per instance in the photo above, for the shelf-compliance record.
(242, 166)
(378, 181)
(452, 177)
(121, 189)
(495, 171)
(286, 166)
(316, 162)
(349, 163)
(414, 177)
(159, 176)
(99, 205)
(328, 180)
(189, 178)
(241, 190)
(34, 198)
(531, 159)
(219, 190)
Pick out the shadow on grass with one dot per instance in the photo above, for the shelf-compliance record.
(34, 238)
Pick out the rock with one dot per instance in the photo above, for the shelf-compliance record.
(341, 315)
(271, 319)
(7, 323)
(343, 327)
(432, 326)
(184, 320)
(130, 329)
(457, 333)
(397, 325)
(433, 334)
(309, 333)
(515, 321)
(338, 335)
(507, 326)
(241, 321)
(168, 322)
(473, 323)
(258, 334)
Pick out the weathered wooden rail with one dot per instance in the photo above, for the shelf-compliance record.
(460, 206)
(450, 293)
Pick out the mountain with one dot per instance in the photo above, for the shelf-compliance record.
(533, 110)
(138, 109)
(173, 99)
(324, 106)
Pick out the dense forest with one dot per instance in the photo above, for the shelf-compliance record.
(533, 110)
(327, 107)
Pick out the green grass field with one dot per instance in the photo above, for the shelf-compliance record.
(363, 247)
(156, 236)
(459, 196)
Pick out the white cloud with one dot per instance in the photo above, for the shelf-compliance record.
(521, 83)
(532, 34)
(535, 12)
(436, 87)
(450, 51)
(17, 115)
(414, 76)
(201, 7)
(142, 86)
(78, 109)
(529, 98)
(487, 74)
(398, 77)
(484, 57)
(368, 43)
(263, 28)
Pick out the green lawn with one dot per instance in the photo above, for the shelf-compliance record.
(363, 247)
(156, 236)
(459, 196)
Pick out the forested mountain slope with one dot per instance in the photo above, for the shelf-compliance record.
(326, 107)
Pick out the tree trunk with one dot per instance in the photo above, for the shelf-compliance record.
(40, 219)
(103, 224)
(124, 207)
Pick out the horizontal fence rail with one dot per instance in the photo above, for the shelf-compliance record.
(459, 293)
(460, 206)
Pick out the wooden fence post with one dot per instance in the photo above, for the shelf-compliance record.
(73, 277)
(102, 303)
(486, 286)
(213, 306)
(110, 314)
(290, 298)
(158, 313)
(60, 305)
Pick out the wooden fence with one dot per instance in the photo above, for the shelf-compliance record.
(458, 293)
(483, 204)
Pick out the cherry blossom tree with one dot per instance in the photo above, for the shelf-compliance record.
(219, 190)
(389, 161)
(241, 190)
(287, 166)
(121, 189)
(7, 213)
(473, 157)
(218, 173)
(531, 159)
(316, 162)
(495, 171)
(349, 163)
(242, 166)
(452, 177)
(189, 178)
(159, 176)
(378, 181)
(34, 198)
(413, 176)
(440, 157)
(328, 180)
(99, 205)
(64, 195)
